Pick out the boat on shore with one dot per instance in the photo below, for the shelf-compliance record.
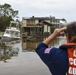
(11, 33)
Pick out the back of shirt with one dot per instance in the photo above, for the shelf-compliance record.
(72, 61)
(71, 48)
(55, 58)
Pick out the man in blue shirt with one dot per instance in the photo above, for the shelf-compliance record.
(57, 59)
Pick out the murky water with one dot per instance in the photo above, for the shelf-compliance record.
(30, 46)
(24, 62)
(8, 49)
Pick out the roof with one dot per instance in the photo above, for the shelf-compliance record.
(44, 22)
(39, 18)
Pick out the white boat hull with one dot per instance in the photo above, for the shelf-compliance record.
(11, 33)
(9, 39)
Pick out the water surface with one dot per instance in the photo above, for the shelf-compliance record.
(27, 62)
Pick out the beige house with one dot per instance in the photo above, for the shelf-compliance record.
(36, 27)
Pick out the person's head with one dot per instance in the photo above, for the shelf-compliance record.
(71, 32)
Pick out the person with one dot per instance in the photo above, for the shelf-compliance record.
(62, 60)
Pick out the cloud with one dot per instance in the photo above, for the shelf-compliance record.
(59, 8)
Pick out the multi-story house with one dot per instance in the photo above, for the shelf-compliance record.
(34, 27)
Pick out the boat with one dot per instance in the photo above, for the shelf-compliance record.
(11, 33)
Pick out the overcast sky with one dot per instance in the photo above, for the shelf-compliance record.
(44, 8)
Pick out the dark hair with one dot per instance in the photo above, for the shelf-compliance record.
(71, 31)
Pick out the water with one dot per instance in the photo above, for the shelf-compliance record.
(30, 46)
(26, 62)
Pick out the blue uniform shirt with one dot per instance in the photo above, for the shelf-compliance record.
(55, 58)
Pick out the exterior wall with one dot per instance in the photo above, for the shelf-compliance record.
(45, 28)
(49, 29)
(24, 23)
(36, 21)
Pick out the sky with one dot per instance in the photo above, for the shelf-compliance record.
(44, 8)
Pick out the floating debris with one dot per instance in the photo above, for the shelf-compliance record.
(7, 51)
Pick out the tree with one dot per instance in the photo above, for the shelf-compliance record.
(6, 15)
(63, 19)
(6, 10)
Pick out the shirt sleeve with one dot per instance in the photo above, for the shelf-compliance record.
(44, 52)
(54, 58)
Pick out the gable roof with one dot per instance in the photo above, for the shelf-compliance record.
(44, 22)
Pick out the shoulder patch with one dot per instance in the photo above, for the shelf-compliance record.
(47, 50)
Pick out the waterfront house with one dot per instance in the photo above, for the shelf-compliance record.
(36, 27)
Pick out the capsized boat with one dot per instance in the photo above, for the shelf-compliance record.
(11, 33)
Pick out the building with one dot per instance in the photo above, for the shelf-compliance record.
(39, 25)
(35, 27)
